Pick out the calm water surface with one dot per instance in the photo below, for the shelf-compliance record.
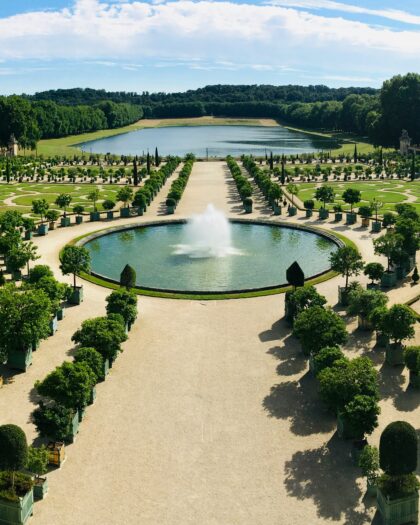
(216, 141)
(266, 253)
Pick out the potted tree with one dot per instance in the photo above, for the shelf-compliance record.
(56, 422)
(16, 494)
(351, 196)
(338, 210)
(52, 216)
(275, 195)
(63, 201)
(369, 464)
(29, 226)
(387, 245)
(365, 212)
(375, 272)
(412, 362)
(363, 302)
(324, 194)
(248, 204)
(293, 190)
(123, 302)
(40, 207)
(376, 319)
(388, 220)
(398, 325)
(125, 195)
(98, 365)
(37, 464)
(325, 358)
(170, 206)
(93, 196)
(78, 210)
(309, 207)
(140, 201)
(56, 292)
(109, 205)
(376, 205)
(74, 260)
(300, 299)
(397, 494)
(347, 261)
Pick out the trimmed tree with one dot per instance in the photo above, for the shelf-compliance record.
(128, 277)
(63, 201)
(75, 259)
(123, 302)
(347, 261)
(374, 271)
(125, 195)
(295, 276)
(352, 197)
(93, 359)
(325, 194)
(13, 454)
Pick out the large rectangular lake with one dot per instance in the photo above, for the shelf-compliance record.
(212, 141)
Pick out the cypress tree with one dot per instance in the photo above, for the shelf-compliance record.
(355, 154)
(157, 161)
(283, 171)
(148, 163)
(271, 161)
(128, 277)
(413, 166)
(135, 173)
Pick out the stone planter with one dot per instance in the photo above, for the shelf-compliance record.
(43, 229)
(351, 218)
(292, 211)
(276, 209)
(74, 427)
(140, 211)
(95, 216)
(414, 379)
(343, 296)
(61, 313)
(76, 296)
(376, 226)
(92, 396)
(53, 325)
(40, 488)
(394, 355)
(57, 453)
(79, 219)
(248, 207)
(398, 511)
(338, 217)
(19, 359)
(124, 213)
(365, 222)
(323, 214)
(28, 235)
(309, 213)
(170, 210)
(17, 512)
(110, 215)
(363, 323)
(382, 340)
(388, 279)
(65, 221)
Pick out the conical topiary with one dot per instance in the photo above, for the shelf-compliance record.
(415, 276)
(295, 275)
(128, 277)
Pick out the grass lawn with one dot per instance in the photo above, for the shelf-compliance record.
(24, 193)
(390, 193)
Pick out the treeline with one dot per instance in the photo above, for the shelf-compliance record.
(30, 121)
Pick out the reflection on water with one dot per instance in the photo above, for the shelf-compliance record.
(214, 141)
(126, 237)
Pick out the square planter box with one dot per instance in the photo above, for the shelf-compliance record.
(95, 216)
(388, 279)
(343, 296)
(28, 235)
(338, 217)
(61, 313)
(394, 354)
(309, 213)
(276, 209)
(110, 215)
(170, 210)
(79, 219)
(74, 427)
(17, 512)
(351, 218)
(323, 214)
(371, 488)
(376, 227)
(53, 325)
(77, 295)
(140, 211)
(20, 359)
(43, 229)
(92, 396)
(65, 221)
(365, 222)
(52, 225)
(248, 207)
(57, 453)
(292, 211)
(398, 511)
(40, 488)
(124, 213)
(17, 275)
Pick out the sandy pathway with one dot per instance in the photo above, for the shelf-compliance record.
(209, 416)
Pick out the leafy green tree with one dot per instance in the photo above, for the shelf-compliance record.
(123, 302)
(318, 328)
(102, 333)
(325, 194)
(293, 189)
(13, 450)
(369, 463)
(54, 290)
(352, 197)
(39, 271)
(63, 201)
(93, 359)
(40, 207)
(326, 357)
(108, 205)
(361, 414)
(38, 460)
(363, 302)
(387, 245)
(74, 260)
(412, 359)
(53, 421)
(93, 196)
(374, 271)
(10, 220)
(125, 195)
(347, 261)
(398, 323)
(52, 215)
(398, 449)
(303, 298)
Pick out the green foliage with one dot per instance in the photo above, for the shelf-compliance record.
(387, 245)
(398, 323)
(13, 448)
(352, 197)
(369, 462)
(10, 220)
(93, 359)
(347, 261)
(102, 333)
(412, 359)
(38, 459)
(37, 272)
(325, 194)
(398, 449)
(75, 259)
(339, 384)
(365, 212)
(108, 204)
(93, 196)
(326, 357)
(302, 298)
(78, 209)
(361, 414)
(318, 328)
(374, 271)
(53, 421)
(309, 204)
(415, 277)
(363, 302)
(396, 487)
(125, 195)
(40, 207)
(63, 201)
(123, 302)
(54, 290)
(128, 277)
(52, 215)
(69, 385)
(14, 485)
(388, 219)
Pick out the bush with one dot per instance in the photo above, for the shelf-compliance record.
(14, 485)
(388, 219)
(326, 357)
(102, 333)
(74, 260)
(374, 271)
(398, 323)
(13, 448)
(303, 298)
(398, 449)
(53, 421)
(108, 205)
(340, 383)
(317, 328)
(93, 359)
(78, 209)
(361, 413)
(170, 202)
(38, 459)
(347, 261)
(39, 271)
(412, 359)
(369, 462)
(363, 302)
(123, 302)
(128, 277)
(309, 204)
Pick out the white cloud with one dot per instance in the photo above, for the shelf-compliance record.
(221, 33)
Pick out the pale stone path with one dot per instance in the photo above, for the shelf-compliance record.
(209, 416)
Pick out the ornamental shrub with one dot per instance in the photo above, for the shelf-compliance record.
(412, 359)
(398, 449)
(93, 359)
(303, 298)
(53, 421)
(123, 302)
(361, 413)
(326, 357)
(105, 334)
(128, 277)
(13, 448)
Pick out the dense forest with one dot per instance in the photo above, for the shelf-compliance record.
(379, 115)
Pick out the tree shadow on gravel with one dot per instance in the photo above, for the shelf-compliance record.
(327, 477)
(391, 381)
(290, 356)
(298, 402)
(278, 330)
(407, 400)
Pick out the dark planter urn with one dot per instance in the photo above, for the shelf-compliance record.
(309, 213)
(323, 213)
(95, 216)
(338, 217)
(376, 226)
(292, 211)
(19, 359)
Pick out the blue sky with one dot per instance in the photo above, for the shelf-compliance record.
(161, 45)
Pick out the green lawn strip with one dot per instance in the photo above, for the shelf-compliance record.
(209, 297)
